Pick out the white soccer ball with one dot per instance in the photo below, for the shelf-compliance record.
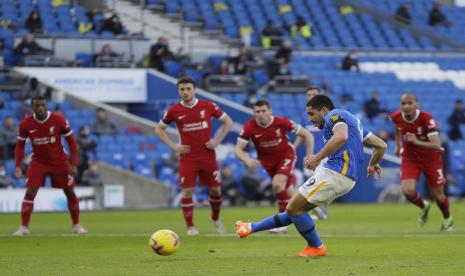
(164, 242)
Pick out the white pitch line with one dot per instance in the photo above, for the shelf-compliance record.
(329, 235)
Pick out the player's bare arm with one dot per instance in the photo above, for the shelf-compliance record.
(398, 140)
(434, 142)
(379, 148)
(308, 139)
(160, 131)
(340, 136)
(227, 124)
(241, 154)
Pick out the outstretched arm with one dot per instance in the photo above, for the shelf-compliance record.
(239, 152)
(227, 124)
(379, 147)
(73, 148)
(307, 137)
(340, 136)
(434, 142)
(160, 131)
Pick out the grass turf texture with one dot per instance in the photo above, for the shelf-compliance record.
(361, 240)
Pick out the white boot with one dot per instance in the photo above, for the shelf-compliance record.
(78, 229)
(219, 227)
(192, 231)
(22, 231)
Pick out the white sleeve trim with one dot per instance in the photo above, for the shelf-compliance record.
(222, 116)
(20, 138)
(338, 124)
(297, 128)
(239, 139)
(432, 133)
(368, 135)
(68, 134)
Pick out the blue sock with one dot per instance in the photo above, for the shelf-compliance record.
(306, 228)
(278, 220)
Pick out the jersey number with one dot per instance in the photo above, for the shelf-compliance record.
(217, 176)
(440, 175)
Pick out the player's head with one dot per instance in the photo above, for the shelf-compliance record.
(311, 91)
(409, 105)
(39, 107)
(186, 89)
(262, 111)
(317, 108)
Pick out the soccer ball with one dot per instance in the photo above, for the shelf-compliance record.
(164, 242)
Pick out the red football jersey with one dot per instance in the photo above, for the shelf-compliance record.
(45, 137)
(423, 126)
(271, 141)
(194, 126)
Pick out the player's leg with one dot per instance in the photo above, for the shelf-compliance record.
(409, 175)
(73, 208)
(26, 210)
(187, 176)
(210, 175)
(436, 183)
(279, 183)
(35, 178)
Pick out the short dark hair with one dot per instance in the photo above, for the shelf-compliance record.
(185, 79)
(313, 87)
(262, 102)
(320, 101)
(38, 98)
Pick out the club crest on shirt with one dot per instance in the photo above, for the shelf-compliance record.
(278, 132)
(202, 114)
(52, 130)
(335, 117)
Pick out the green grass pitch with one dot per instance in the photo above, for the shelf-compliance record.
(361, 240)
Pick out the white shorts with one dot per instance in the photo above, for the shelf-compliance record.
(325, 186)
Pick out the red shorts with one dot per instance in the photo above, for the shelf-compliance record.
(59, 175)
(284, 166)
(206, 169)
(433, 171)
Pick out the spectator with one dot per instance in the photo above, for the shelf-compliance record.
(256, 188)
(32, 89)
(87, 151)
(301, 28)
(239, 63)
(250, 100)
(106, 56)
(23, 109)
(280, 65)
(93, 16)
(372, 107)
(28, 46)
(34, 23)
(350, 62)
(436, 17)
(271, 36)
(8, 134)
(171, 161)
(160, 52)
(102, 125)
(5, 180)
(7, 24)
(456, 118)
(229, 186)
(2, 102)
(403, 14)
(58, 110)
(91, 176)
(113, 24)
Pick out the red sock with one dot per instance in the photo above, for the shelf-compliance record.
(26, 209)
(283, 198)
(416, 199)
(444, 206)
(187, 210)
(215, 205)
(73, 208)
